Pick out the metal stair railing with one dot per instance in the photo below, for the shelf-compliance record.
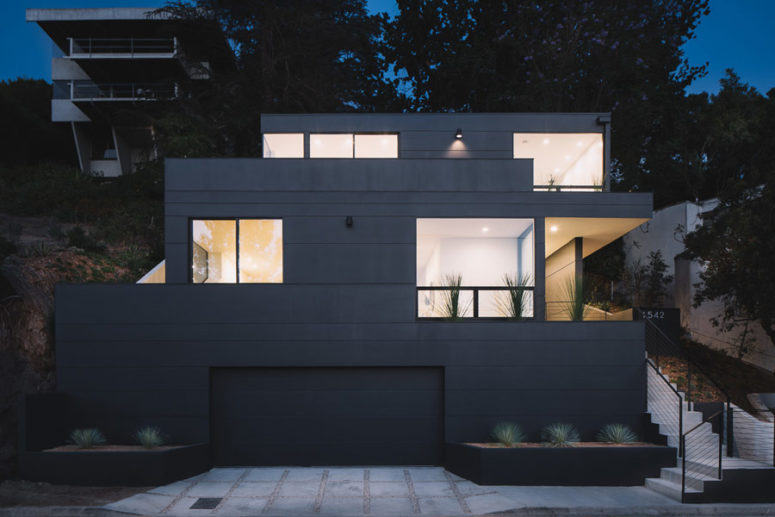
(662, 405)
(659, 347)
(702, 453)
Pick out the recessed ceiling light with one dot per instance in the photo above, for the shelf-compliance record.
(553, 228)
(579, 144)
(546, 141)
(485, 229)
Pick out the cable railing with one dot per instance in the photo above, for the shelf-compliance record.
(665, 403)
(683, 369)
(753, 435)
(122, 91)
(83, 47)
(702, 454)
(477, 302)
(568, 188)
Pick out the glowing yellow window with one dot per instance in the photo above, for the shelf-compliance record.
(237, 251)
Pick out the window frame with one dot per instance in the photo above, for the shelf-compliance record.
(236, 220)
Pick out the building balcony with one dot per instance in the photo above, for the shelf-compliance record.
(91, 91)
(122, 48)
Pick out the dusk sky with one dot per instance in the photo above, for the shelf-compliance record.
(737, 34)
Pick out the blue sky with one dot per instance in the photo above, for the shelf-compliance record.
(737, 34)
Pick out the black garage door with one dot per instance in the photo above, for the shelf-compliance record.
(326, 416)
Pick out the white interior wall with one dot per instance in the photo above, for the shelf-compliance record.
(480, 261)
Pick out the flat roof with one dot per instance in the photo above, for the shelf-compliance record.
(94, 14)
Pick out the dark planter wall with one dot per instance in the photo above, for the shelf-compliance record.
(128, 355)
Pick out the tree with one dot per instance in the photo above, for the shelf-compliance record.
(27, 133)
(556, 55)
(734, 243)
(290, 56)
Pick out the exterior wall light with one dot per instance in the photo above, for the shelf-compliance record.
(459, 134)
(348, 221)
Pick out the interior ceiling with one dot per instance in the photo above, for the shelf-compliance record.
(466, 228)
(596, 231)
(555, 153)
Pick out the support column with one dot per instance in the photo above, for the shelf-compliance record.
(539, 291)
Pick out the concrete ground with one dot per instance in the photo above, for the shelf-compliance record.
(378, 491)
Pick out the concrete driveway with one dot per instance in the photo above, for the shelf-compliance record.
(376, 491)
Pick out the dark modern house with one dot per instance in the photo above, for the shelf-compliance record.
(373, 289)
(302, 316)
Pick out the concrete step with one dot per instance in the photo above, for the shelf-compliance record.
(694, 480)
(668, 488)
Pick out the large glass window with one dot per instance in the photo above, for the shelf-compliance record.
(475, 268)
(563, 161)
(237, 250)
(283, 145)
(323, 145)
(376, 146)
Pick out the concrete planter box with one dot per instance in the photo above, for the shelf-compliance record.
(115, 468)
(578, 466)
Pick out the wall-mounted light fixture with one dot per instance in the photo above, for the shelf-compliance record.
(348, 221)
(459, 134)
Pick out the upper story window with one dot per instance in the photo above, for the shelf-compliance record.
(325, 145)
(563, 161)
(376, 146)
(229, 251)
(283, 145)
(331, 145)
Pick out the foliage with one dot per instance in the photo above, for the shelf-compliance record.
(507, 434)
(280, 65)
(647, 285)
(575, 292)
(617, 433)
(603, 269)
(513, 306)
(734, 243)
(736, 248)
(149, 437)
(77, 237)
(27, 134)
(125, 210)
(87, 438)
(560, 435)
(451, 306)
(559, 56)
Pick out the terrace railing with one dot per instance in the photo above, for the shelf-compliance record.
(478, 302)
(88, 90)
(123, 47)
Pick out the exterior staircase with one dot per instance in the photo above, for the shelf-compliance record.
(710, 475)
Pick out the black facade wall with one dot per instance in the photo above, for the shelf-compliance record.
(129, 355)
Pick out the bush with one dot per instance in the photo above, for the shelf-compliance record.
(87, 438)
(507, 434)
(617, 433)
(560, 435)
(149, 437)
(77, 237)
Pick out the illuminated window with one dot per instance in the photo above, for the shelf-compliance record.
(237, 251)
(376, 146)
(563, 161)
(331, 145)
(283, 145)
(493, 258)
